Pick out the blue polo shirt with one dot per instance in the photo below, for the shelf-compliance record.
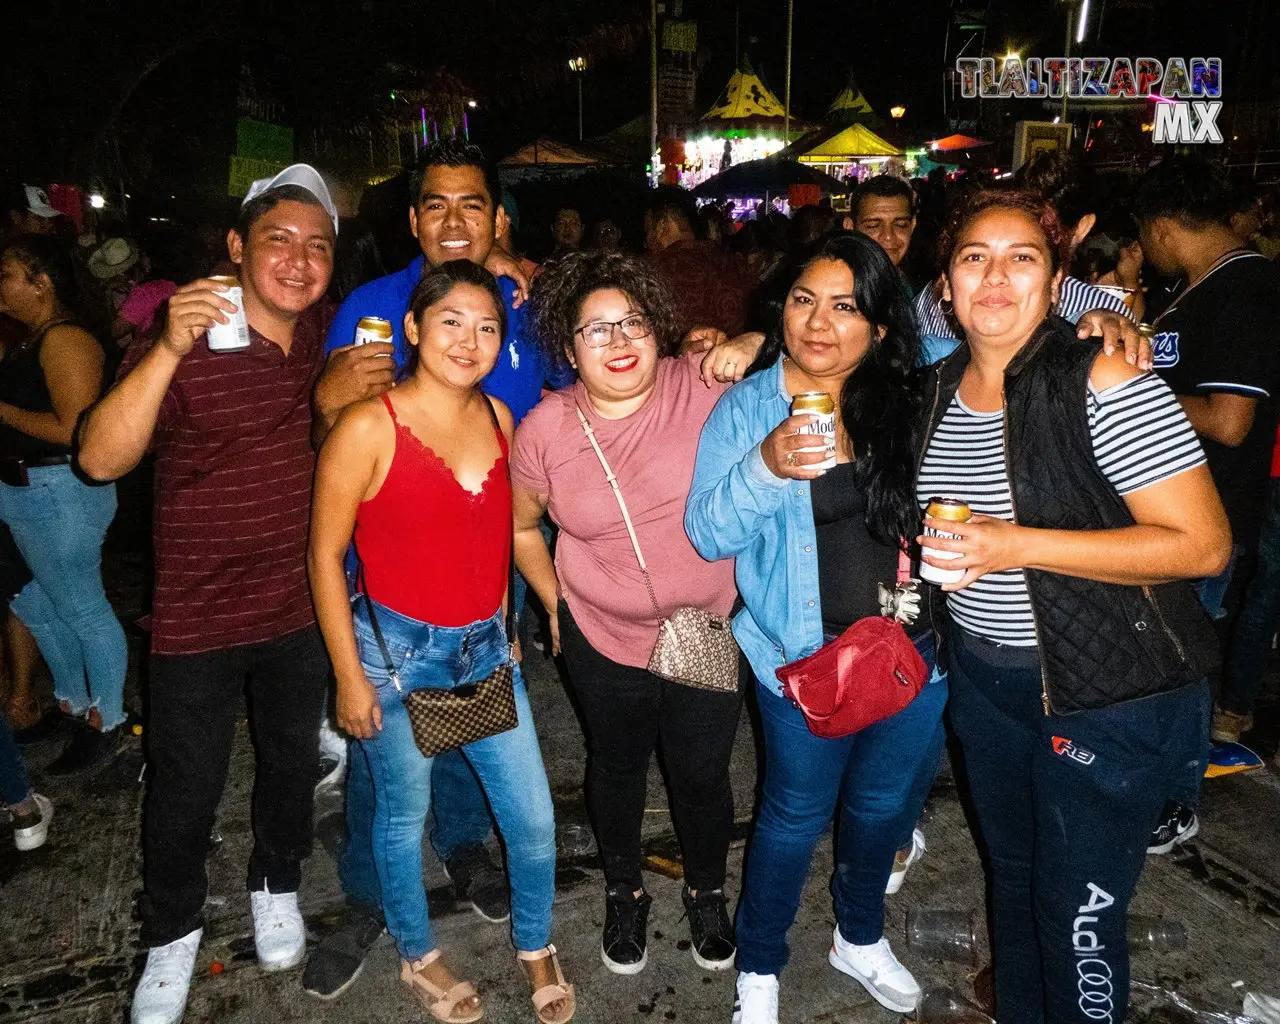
(518, 376)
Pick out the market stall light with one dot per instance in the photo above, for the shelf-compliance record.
(97, 201)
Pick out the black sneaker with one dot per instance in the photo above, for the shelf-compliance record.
(338, 960)
(88, 748)
(1178, 823)
(710, 933)
(626, 924)
(478, 881)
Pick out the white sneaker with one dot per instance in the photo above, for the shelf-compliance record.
(878, 971)
(899, 874)
(161, 995)
(279, 935)
(757, 999)
(28, 835)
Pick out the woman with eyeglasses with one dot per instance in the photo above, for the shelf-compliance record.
(608, 315)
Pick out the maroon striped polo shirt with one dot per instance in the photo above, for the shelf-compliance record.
(233, 467)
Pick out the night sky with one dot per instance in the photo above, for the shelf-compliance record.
(159, 80)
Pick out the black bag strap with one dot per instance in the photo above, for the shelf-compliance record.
(511, 618)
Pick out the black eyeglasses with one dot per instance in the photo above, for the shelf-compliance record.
(599, 333)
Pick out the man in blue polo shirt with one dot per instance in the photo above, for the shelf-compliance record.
(455, 214)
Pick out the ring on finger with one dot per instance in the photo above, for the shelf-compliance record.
(791, 458)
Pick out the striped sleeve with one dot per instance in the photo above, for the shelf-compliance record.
(1076, 298)
(1140, 434)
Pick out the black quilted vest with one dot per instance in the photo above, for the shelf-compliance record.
(1100, 643)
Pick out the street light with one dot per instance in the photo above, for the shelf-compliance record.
(578, 66)
(897, 112)
(97, 201)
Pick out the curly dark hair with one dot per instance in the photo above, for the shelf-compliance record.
(880, 404)
(567, 280)
(978, 202)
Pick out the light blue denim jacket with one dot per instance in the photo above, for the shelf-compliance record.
(738, 509)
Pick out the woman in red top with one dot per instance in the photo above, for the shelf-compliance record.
(418, 477)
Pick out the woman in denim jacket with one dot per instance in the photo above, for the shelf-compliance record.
(811, 547)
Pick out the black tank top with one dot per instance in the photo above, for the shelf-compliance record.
(22, 383)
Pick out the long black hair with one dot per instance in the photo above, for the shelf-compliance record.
(880, 403)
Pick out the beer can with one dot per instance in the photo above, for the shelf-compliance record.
(953, 510)
(234, 335)
(372, 328)
(820, 404)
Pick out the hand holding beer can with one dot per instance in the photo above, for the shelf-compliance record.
(820, 404)
(234, 335)
(952, 510)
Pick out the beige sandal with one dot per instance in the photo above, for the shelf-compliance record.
(442, 1004)
(559, 990)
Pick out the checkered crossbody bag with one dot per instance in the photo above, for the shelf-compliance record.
(446, 719)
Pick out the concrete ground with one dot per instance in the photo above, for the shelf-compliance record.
(68, 931)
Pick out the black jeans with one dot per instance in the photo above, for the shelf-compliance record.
(628, 710)
(190, 733)
(1065, 805)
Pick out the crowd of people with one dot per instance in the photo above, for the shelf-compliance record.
(370, 529)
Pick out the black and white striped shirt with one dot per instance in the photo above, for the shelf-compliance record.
(1140, 437)
(1075, 299)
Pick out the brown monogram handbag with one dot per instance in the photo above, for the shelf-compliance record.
(446, 719)
(695, 647)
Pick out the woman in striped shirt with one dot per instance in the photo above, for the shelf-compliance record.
(1091, 501)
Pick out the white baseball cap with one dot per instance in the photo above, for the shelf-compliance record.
(304, 176)
(38, 202)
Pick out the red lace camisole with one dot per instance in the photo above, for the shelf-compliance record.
(431, 549)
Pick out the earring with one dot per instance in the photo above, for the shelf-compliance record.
(946, 307)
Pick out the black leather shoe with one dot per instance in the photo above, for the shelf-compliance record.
(87, 749)
(710, 932)
(626, 923)
(337, 961)
(478, 881)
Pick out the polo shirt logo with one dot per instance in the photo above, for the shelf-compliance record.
(1164, 350)
(515, 356)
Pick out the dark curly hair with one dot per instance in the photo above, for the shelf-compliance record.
(880, 403)
(978, 202)
(567, 280)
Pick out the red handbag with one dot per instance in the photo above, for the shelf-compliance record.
(869, 672)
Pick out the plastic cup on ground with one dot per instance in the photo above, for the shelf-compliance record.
(944, 934)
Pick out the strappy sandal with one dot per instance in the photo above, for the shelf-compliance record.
(559, 990)
(443, 1004)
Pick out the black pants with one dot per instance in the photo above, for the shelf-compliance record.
(190, 733)
(629, 710)
(1065, 805)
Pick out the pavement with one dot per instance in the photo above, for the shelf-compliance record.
(68, 929)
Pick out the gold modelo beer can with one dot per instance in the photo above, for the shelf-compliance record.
(820, 404)
(234, 335)
(372, 328)
(956, 511)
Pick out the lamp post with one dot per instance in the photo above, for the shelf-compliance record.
(897, 113)
(578, 65)
(786, 119)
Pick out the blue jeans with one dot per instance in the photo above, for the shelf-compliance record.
(14, 786)
(1212, 590)
(509, 766)
(1065, 806)
(58, 524)
(873, 776)
(1259, 617)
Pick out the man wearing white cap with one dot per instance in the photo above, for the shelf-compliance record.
(233, 463)
(28, 211)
